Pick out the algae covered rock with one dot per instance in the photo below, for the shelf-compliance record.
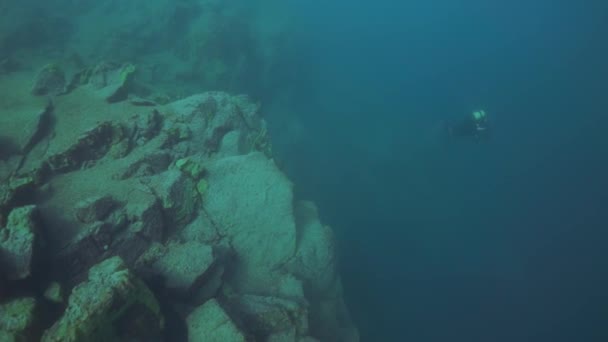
(178, 195)
(210, 323)
(94, 208)
(222, 123)
(16, 319)
(128, 228)
(146, 164)
(53, 293)
(186, 179)
(265, 316)
(182, 265)
(145, 126)
(91, 145)
(11, 191)
(191, 167)
(196, 170)
(49, 81)
(112, 305)
(17, 243)
(110, 80)
(250, 200)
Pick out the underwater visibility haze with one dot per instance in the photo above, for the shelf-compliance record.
(417, 171)
(457, 239)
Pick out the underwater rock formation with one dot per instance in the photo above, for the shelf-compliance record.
(49, 81)
(17, 317)
(209, 322)
(163, 223)
(112, 305)
(18, 241)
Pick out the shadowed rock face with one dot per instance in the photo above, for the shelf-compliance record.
(18, 243)
(184, 196)
(18, 317)
(8, 148)
(100, 308)
(49, 81)
(153, 206)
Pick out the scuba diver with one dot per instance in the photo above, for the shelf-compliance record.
(474, 125)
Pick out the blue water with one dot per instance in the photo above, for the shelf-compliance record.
(441, 240)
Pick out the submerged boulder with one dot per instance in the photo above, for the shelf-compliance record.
(250, 200)
(112, 305)
(222, 123)
(105, 226)
(94, 208)
(184, 193)
(183, 266)
(18, 243)
(49, 81)
(315, 258)
(109, 80)
(264, 316)
(210, 323)
(17, 317)
(178, 196)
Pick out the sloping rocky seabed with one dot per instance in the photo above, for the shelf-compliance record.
(122, 219)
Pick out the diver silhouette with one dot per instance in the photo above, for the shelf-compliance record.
(474, 125)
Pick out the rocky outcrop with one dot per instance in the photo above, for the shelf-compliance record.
(223, 123)
(175, 210)
(18, 242)
(108, 80)
(315, 258)
(184, 266)
(49, 81)
(259, 224)
(112, 305)
(16, 319)
(94, 208)
(178, 196)
(210, 323)
(315, 264)
(266, 316)
(92, 145)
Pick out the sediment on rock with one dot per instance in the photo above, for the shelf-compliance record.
(172, 210)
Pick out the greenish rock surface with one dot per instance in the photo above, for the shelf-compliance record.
(17, 243)
(90, 145)
(178, 196)
(49, 81)
(16, 318)
(188, 179)
(191, 167)
(111, 298)
(94, 208)
(110, 80)
(54, 293)
(315, 258)
(182, 265)
(264, 315)
(210, 323)
(201, 186)
(251, 201)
